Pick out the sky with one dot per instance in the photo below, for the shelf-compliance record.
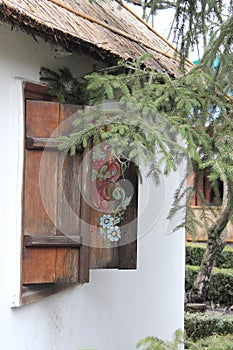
(162, 23)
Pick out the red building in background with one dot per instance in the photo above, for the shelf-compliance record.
(210, 197)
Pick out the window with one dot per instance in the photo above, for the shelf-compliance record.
(62, 230)
(205, 193)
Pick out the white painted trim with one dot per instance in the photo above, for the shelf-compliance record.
(19, 119)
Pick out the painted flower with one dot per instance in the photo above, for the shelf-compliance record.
(106, 221)
(114, 233)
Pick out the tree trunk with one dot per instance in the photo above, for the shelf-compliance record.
(215, 244)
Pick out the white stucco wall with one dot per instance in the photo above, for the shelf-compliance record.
(117, 308)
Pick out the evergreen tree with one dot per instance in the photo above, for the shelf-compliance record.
(208, 25)
(198, 104)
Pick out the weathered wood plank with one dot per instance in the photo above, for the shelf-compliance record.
(68, 114)
(50, 144)
(68, 203)
(42, 118)
(67, 265)
(39, 143)
(52, 241)
(40, 182)
(52, 200)
(33, 293)
(128, 248)
(34, 91)
(85, 214)
(39, 265)
(40, 193)
(123, 253)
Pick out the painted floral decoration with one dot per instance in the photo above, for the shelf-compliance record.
(106, 221)
(108, 194)
(114, 233)
(108, 230)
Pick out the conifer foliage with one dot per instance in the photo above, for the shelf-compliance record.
(64, 86)
(194, 20)
(153, 106)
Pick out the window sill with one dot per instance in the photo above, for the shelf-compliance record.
(33, 293)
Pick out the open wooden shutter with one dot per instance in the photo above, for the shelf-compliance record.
(121, 254)
(52, 257)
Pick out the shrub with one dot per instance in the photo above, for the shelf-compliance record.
(221, 284)
(190, 275)
(154, 343)
(225, 259)
(199, 326)
(215, 342)
(194, 254)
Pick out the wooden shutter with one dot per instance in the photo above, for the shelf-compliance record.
(123, 253)
(51, 257)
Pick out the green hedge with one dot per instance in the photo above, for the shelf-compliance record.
(215, 342)
(195, 251)
(221, 284)
(199, 325)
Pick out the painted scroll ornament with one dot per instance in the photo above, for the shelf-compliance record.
(109, 196)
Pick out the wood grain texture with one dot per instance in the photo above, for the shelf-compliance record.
(36, 219)
(128, 248)
(68, 114)
(67, 265)
(40, 143)
(33, 293)
(39, 265)
(68, 203)
(85, 214)
(122, 254)
(69, 186)
(42, 118)
(33, 91)
(49, 256)
(52, 241)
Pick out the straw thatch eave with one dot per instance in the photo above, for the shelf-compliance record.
(71, 44)
(104, 30)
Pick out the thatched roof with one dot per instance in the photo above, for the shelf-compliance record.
(104, 29)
